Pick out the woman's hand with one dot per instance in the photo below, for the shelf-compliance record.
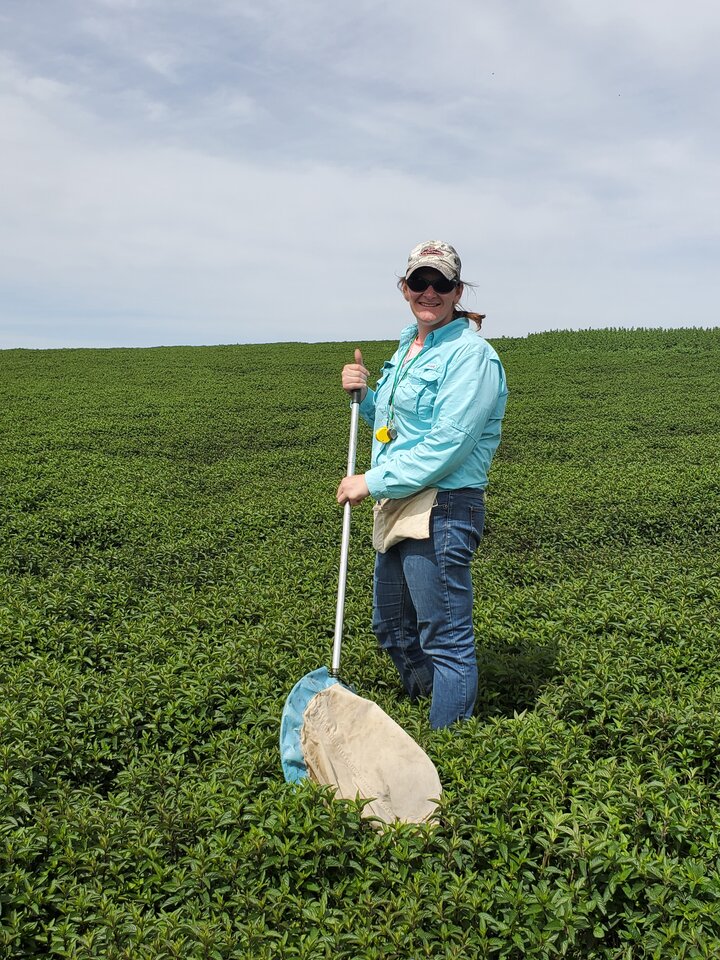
(352, 490)
(355, 375)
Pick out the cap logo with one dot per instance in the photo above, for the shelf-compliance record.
(431, 251)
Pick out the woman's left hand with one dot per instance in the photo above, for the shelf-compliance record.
(352, 490)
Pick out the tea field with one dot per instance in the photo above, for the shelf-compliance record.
(169, 542)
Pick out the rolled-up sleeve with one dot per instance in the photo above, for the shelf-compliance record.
(367, 407)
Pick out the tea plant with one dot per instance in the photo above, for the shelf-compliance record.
(169, 543)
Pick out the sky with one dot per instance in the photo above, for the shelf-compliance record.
(244, 171)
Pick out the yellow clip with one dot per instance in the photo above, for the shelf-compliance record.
(383, 435)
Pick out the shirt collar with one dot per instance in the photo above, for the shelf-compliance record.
(447, 332)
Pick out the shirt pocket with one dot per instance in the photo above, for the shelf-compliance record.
(422, 388)
(384, 387)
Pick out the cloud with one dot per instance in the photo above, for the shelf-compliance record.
(657, 29)
(221, 173)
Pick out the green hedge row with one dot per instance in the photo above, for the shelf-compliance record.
(168, 564)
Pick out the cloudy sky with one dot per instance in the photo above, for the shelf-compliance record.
(237, 171)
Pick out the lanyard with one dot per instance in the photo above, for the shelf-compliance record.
(388, 433)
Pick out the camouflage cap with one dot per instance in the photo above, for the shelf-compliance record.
(436, 254)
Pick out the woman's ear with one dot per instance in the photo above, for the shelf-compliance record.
(404, 289)
(458, 294)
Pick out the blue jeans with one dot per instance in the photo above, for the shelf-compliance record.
(423, 602)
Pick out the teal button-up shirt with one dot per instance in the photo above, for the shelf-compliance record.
(448, 409)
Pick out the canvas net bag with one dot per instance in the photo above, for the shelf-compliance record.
(342, 740)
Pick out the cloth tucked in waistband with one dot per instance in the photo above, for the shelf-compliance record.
(407, 518)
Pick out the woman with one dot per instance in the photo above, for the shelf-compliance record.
(436, 414)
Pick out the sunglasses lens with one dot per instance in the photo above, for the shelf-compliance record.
(443, 285)
(419, 284)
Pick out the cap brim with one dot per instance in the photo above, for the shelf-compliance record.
(444, 268)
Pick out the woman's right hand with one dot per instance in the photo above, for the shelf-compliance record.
(355, 375)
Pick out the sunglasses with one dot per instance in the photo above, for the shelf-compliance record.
(419, 284)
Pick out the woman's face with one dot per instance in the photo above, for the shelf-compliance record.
(430, 308)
